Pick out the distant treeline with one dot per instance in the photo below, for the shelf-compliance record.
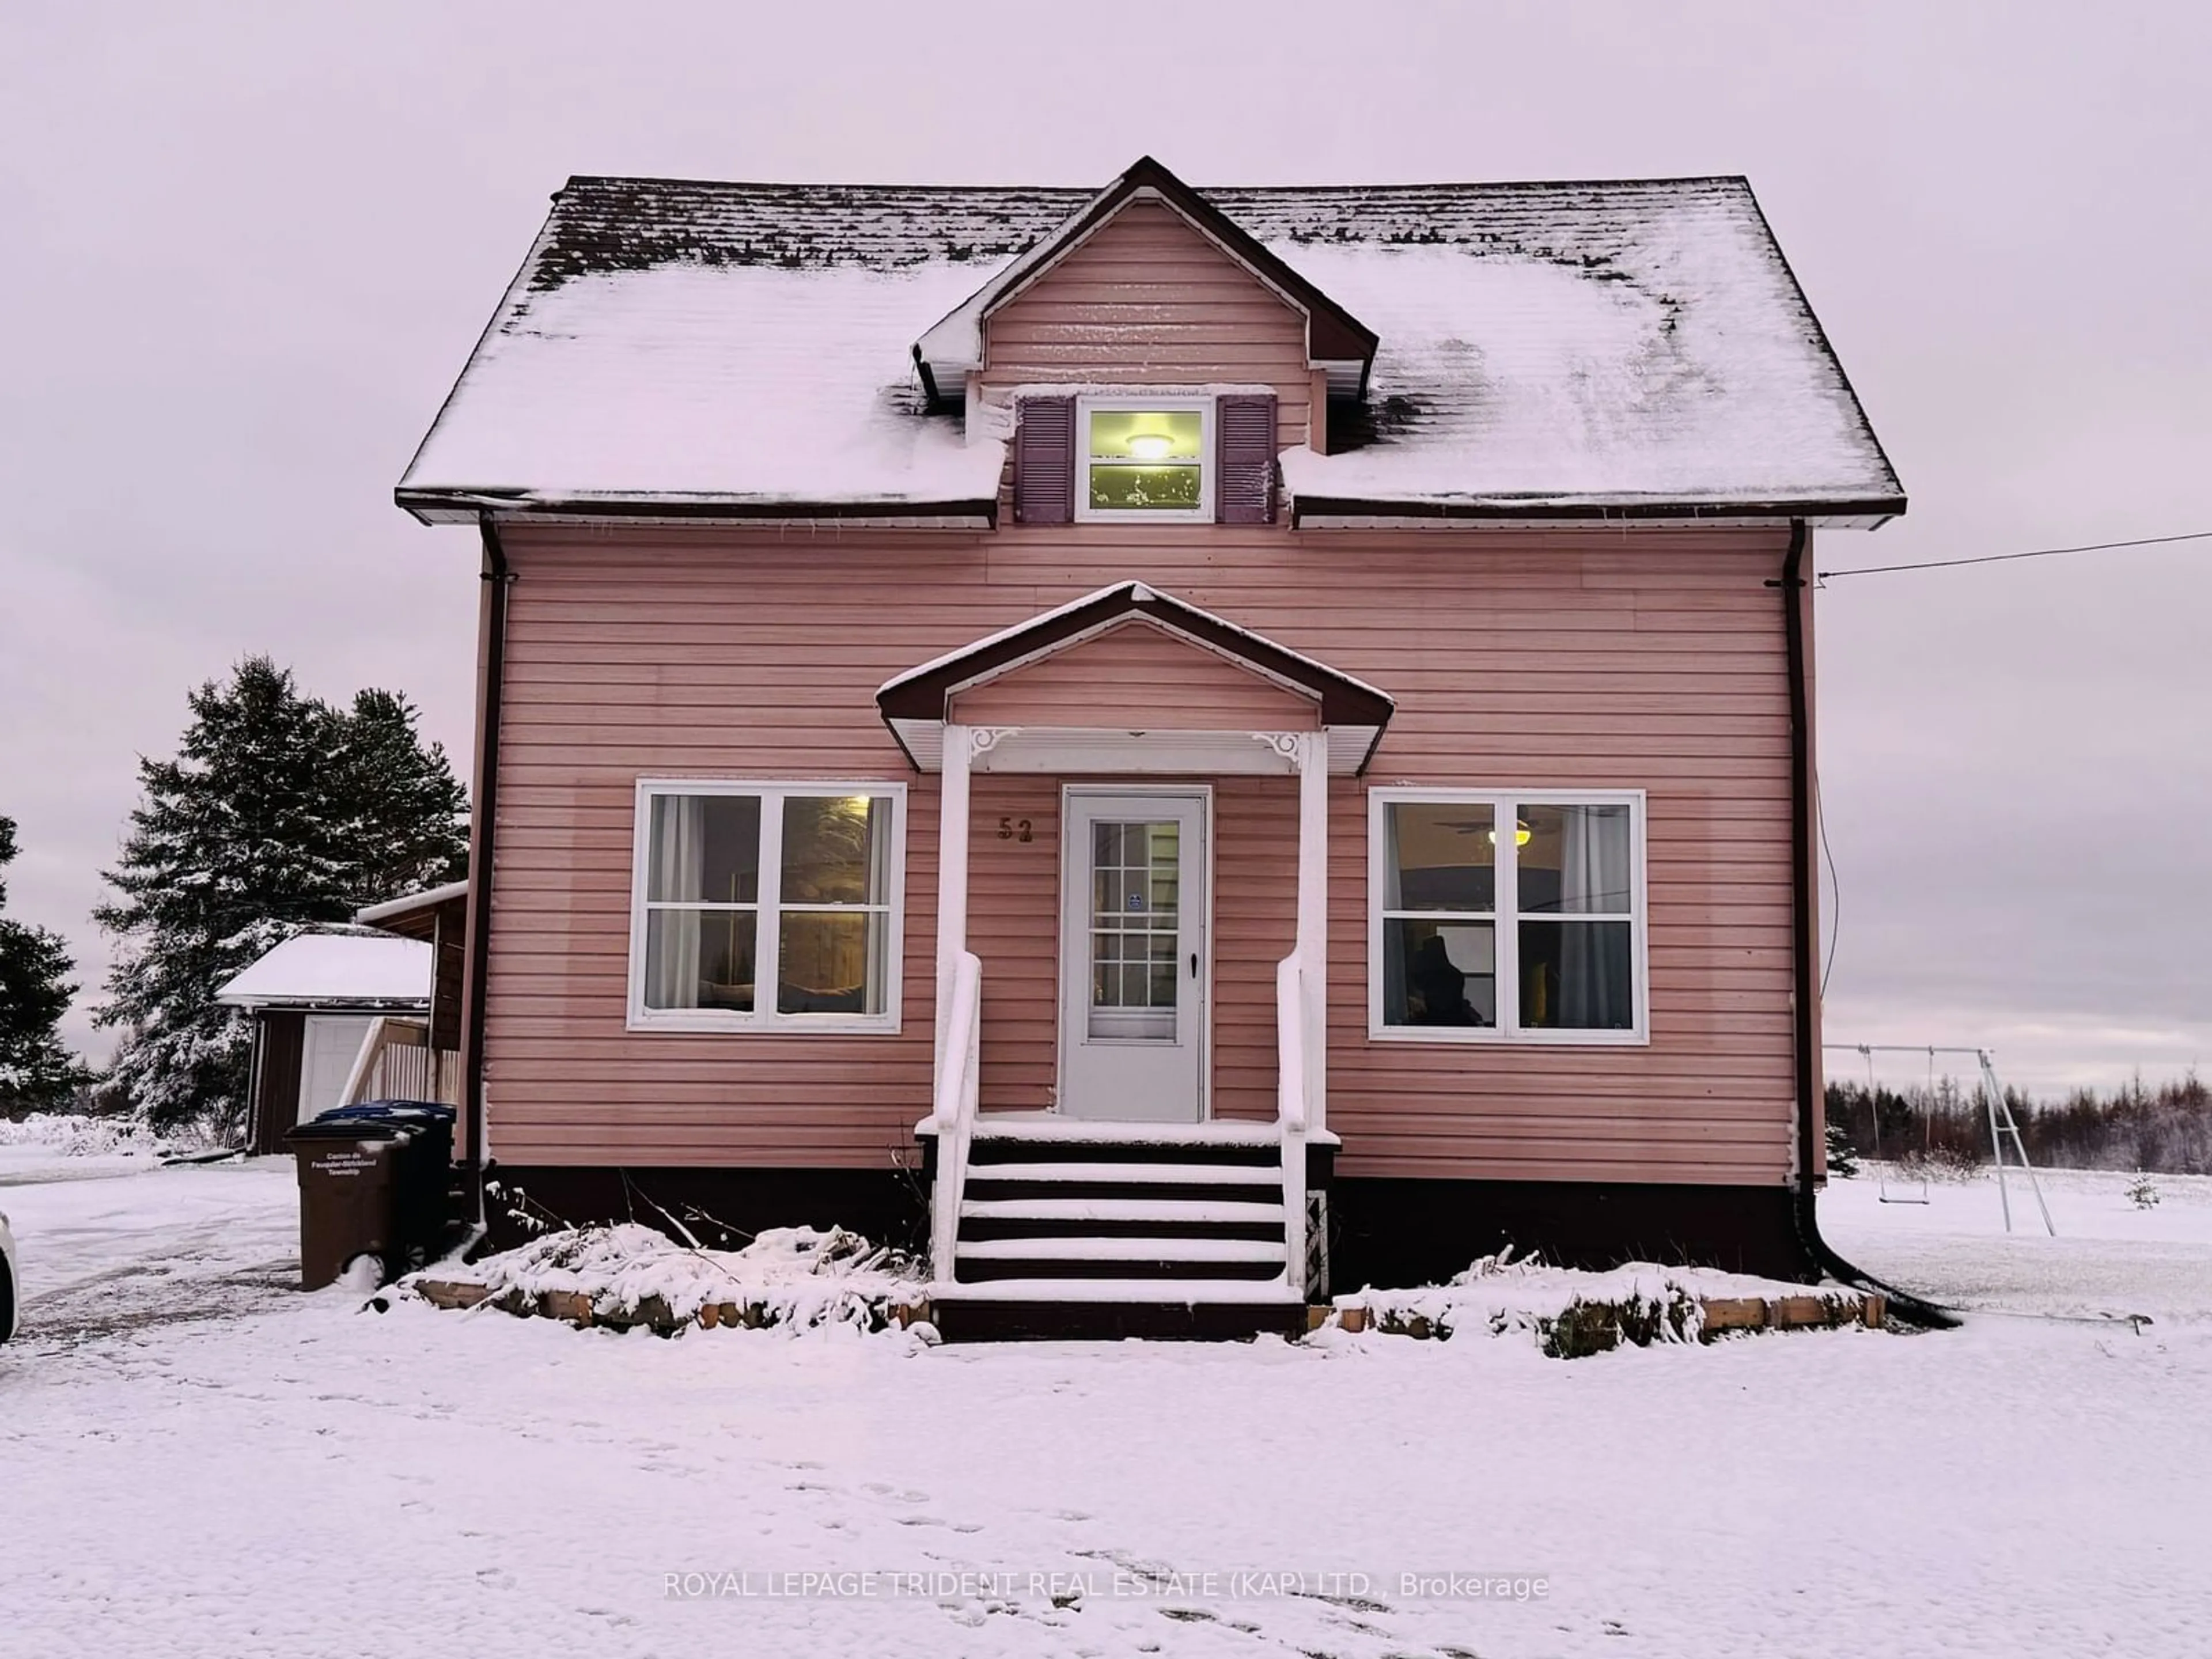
(2167, 1129)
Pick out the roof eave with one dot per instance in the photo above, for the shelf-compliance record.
(254, 1004)
(1325, 512)
(415, 915)
(466, 506)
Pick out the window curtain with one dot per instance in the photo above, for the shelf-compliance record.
(876, 991)
(1596, 981)
(1395, 1012)
(679, 862)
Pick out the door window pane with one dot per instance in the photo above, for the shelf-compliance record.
(1136, 898)
(1136, 872)
(1576, 860)
(1577, 977)
(1440, 857)
(704, 849)
(1105, 970)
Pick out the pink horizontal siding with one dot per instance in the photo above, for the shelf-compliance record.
(1148, 300)
(1013, 908)
(1137, 677)
(1651, 658)
(1013, 926)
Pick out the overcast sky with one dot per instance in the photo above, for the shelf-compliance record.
(244, 249)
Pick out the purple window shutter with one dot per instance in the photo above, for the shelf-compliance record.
(1044, 461)
(1244, 446)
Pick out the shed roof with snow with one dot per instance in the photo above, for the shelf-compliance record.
(770, 349)
(336, 970)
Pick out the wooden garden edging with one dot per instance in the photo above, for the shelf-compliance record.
(1718, 1315)
(1582, 1327)
(576, 1308)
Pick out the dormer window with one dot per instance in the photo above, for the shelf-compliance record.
(1145, 458)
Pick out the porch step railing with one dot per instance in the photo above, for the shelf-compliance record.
(397, 1063)
(1290, 1112)
(953, 1105)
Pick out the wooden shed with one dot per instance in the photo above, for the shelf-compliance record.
(339, 1014)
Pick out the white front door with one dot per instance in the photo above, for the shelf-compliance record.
(1132, 952)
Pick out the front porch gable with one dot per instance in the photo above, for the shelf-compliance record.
(1226, 681)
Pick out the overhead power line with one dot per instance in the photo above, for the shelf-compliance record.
(2001, 558)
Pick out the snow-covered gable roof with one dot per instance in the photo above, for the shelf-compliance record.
(330, 970)
(1544, 349)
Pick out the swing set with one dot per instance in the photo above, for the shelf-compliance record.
(2003, 1124)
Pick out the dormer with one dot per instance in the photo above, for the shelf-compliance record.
(1148, 280)
(1149, 359)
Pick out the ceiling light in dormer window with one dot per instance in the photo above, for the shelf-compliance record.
(1144, 459)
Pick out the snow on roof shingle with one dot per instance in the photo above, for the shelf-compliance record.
(1582, 344)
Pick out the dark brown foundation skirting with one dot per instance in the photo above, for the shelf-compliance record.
(1387, 1233)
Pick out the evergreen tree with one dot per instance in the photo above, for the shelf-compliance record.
(1843, 1156)
(278, 814)
(405, 816)
(36, 1071)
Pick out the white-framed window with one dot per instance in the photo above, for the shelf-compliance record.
(1507, 915)
(1141, 458)
(766, 906)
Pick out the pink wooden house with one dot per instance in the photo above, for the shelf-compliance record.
(1181, 746)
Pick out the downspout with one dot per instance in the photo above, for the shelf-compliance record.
(481, 858)
(1804, 895)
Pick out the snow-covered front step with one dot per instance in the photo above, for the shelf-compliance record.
(1138, 1175)
(1079, 1249)
(1045, 1128)
(1138, 1292)
(1109, 1230)
(1200, 1211)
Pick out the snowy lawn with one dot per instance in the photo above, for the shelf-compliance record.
(2109, 1258)
(193, 1461)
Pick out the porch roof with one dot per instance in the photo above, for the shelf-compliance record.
(916, 704)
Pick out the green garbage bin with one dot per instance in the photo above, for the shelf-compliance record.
(373, 1182)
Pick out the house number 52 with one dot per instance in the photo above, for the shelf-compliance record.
(1014, 829)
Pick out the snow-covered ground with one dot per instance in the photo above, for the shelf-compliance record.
(2109, 1258)
(195, 1461)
